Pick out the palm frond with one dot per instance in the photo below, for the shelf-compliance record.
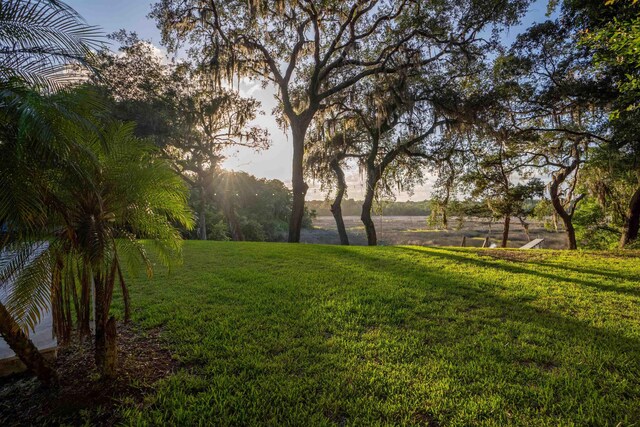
(25, 277)
(42, 138)
(39, 39)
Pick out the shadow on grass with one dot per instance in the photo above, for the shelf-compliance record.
(563, 266)
(561, 337)
(511, 307)
(591, 272)
(390, 315)
(452, 254)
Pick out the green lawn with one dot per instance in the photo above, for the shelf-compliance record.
(284, 334)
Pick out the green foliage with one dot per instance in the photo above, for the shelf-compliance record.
(40, 39)
(37, 132)
(218, 231)
(261, 206)
(308, 217)
(193, 122)
(173, 104)
(321, 54)
(543, 211)
(614, 44)
(90, 188)
(320, 335)
(469, 208)
(81, 184)
(253, 230)
(634, 245)
(593, 227)
(41, 138)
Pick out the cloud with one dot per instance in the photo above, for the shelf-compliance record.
(248, 87)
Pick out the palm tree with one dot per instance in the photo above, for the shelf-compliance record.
(41, 39)
(89, 187)
(42, 45)
(36, 133)
(129, 193)
(111, 191)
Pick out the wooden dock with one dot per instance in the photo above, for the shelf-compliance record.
(536, 243)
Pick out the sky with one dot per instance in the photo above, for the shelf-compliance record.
(275, 162)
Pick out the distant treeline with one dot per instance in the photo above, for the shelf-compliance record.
(239, 206)
(351, 207)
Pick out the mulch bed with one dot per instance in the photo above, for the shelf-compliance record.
(82, 397)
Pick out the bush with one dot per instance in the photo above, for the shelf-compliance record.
(308, 217)
(218, 231)
(252, 230)
(593, 228)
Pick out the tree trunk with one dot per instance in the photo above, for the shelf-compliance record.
(369, 226)
(444, 206)
(74, 292)
(100, 321)
(299, 187)
(84, 315)
(232, 221)
(24, 348)
(60, 309)
(125, 293)
(202, 221)
(505, 231)
(632, 221)
(557, 180)
(572, 243)
(525, 227)
(105, 334)
(336, 206)
(111, 349)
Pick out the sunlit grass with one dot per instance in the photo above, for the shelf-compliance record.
(318, 335)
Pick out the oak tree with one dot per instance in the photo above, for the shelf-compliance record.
(310, 51)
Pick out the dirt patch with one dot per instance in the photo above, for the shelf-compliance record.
(338, 416)
(82, 398)
(425, 418)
